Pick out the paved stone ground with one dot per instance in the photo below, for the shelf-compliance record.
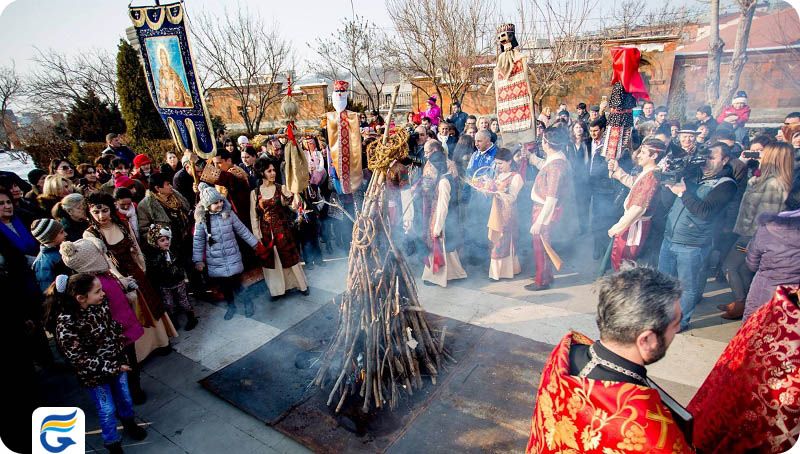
(183, 417)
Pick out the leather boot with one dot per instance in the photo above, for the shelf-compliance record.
(134, 430)
(230, 312)
(736, 312)
(726, 307)
(115, 448)
(191, 321)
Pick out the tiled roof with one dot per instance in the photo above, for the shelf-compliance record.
(768, 30)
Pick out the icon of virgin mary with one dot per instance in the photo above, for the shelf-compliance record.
(171, 90)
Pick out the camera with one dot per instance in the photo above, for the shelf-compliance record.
(686, 167)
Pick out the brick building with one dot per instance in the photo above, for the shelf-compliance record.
(673, 68)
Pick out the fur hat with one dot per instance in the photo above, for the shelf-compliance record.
(85, 256)
(740, 96)
(34, 175)
(45, 230)
(209, 196)
(141, 160)
(156, 231)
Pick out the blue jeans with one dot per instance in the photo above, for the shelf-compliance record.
(685, 263)
(112, 399)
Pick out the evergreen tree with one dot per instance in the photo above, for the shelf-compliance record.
(90, 119)
(140, 114)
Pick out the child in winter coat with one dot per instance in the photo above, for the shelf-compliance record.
(214, 246)
(93, 343)
(48, 264)
(89, 256)
(737, 114)
(167, 275)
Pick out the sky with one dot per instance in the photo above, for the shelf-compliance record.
(71, 26)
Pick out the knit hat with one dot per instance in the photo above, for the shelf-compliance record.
(209, 196)
(45, 230)
(242, 140)
(34, 175)
(141, 160)
(122, 181)
(85, 256)
(741, 96)
(156, 231)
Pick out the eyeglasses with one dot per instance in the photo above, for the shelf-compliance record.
(64, 168)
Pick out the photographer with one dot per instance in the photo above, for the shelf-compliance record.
(691, 222)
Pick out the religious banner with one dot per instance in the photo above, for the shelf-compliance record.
(170, 71)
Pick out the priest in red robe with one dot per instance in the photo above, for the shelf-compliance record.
(595, 397)
(750, 401)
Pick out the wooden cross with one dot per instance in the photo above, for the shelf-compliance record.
(664, 420)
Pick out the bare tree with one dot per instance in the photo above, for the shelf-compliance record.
(10, 88)
(241, 52)
(354, 51)
(747, 9)
(715, 46)
(715, 94)
(441, 41)
(59, 80)
(552, 34)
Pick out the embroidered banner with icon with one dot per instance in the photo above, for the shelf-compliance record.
(174, 85)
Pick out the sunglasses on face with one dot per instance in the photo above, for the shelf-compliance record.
(64, 168)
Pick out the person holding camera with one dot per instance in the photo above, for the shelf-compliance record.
(691, 223)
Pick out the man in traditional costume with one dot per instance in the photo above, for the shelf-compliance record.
(630, 232)
(551, 191)
(513, 90)
(344, 139)
(749, 402)
(504, 263)
(595, 397)
(440, 215)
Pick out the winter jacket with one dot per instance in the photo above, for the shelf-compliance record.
(121, 310)
(164, 271)
(73, 229)
(743, 114)
(692, 219)
(149, 211)
(92, 342)
(47, 266)
(761, 196)
(773, 254)
(218, 249)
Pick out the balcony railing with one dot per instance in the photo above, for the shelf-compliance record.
(403, 100)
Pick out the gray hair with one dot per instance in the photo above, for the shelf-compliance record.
(484, 133)
(633, 301)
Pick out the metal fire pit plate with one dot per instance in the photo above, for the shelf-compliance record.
(481, 403)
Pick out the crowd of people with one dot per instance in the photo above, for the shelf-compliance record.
(695, 200)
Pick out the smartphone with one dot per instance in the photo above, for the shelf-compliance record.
(751, 155)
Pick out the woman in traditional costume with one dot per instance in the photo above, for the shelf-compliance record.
(126, 260)
(440, 210)
(269, 218)
(504, 263)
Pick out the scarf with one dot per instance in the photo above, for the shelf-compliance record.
(168, 201)
(20, 237)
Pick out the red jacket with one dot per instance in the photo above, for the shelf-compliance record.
(743, 114)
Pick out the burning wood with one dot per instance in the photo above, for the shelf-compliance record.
(383, 344)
